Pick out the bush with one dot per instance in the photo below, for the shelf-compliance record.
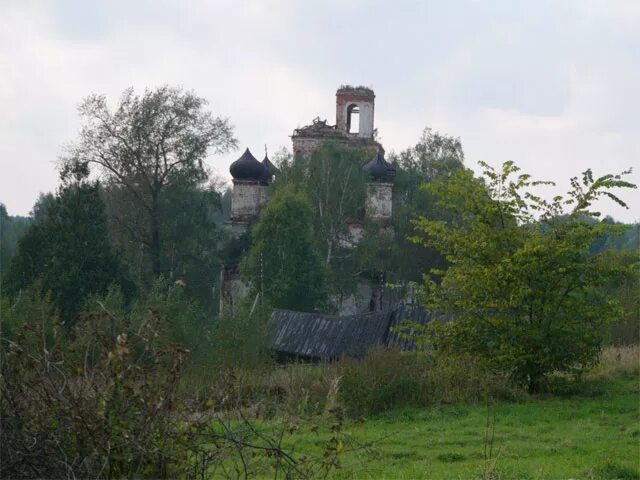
(385, 379)
(239, 337)
(98, 403)
(102, 400)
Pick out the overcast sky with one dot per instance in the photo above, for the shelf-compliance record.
(552, 85)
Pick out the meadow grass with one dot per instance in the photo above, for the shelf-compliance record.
(593, 435)
(580, 428)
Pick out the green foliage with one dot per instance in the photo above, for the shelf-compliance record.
(240, 337)
(98, 403)
(387, 379)
(191, 238)
(376, 251)
(626, 330)
(332, 178)
(150, 151)
(283, 263)
(30, 306)
(436, 156)
(103, 400)
(191, 247)
(68, 251)
(336, 184)
(524, 289)
(11, 230)
(185, 322)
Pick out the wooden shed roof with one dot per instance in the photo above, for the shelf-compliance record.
(326, 337)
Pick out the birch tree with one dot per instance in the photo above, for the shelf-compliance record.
(143, 146)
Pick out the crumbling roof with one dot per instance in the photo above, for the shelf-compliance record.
(319, 129)
(325, 337)
(356, 90)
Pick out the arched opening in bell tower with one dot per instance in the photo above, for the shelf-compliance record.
(353, 119)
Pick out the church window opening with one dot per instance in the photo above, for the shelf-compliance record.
(353, 119)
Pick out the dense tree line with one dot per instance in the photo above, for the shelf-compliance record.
(136, 204)
(157, 211)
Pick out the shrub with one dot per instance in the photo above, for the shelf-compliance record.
(239, 337)
(101, 400)
(100, 403)
(385, 379)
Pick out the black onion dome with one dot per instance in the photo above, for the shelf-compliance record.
(247, 167)
(268, 170)
(379, 169)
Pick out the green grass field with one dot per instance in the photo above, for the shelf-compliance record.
(594, 434)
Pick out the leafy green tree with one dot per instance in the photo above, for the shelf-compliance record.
(284, 263)
(332, 178)
(435, 156)
(524, 290)
(191, 250)
(43, 203)
(240, 337)
(68, 251)
(142, 149)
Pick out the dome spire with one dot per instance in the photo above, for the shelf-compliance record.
(269, 168)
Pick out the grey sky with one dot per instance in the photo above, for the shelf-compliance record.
(552, 85)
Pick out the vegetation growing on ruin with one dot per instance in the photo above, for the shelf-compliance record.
(356, 89)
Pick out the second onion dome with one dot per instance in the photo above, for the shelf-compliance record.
(379, 169)
(269, 169)
(248, 168)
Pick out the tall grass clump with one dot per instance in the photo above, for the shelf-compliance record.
(618, 361)
(385, 379)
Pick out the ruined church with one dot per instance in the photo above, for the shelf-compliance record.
(354, 128)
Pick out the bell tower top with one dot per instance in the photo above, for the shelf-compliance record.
(354, 111)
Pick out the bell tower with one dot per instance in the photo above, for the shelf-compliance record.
(354, 111)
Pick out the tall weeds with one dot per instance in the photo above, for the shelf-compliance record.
(382, 380)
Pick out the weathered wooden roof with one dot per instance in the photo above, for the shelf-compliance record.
(326, 337)
(400, 314)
